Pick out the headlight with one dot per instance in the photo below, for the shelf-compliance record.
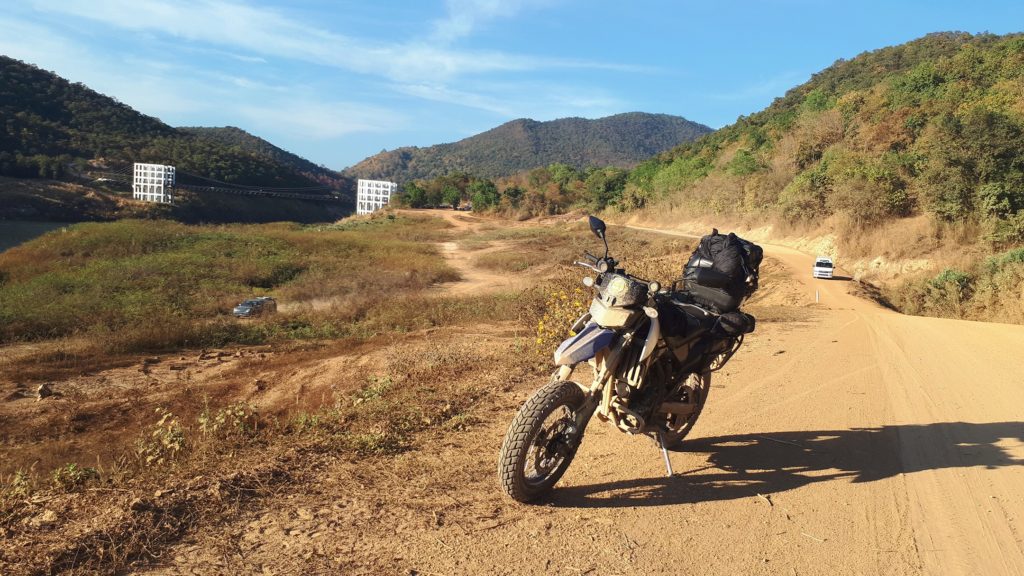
(618, 287)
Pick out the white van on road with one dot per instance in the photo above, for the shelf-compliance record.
(823, 267)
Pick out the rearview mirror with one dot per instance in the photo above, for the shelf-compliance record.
(597, 227)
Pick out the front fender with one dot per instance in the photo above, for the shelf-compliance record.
(584, 346)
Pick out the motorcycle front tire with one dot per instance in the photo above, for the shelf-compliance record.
(527, 428)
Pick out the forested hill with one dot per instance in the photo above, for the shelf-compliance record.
(53, 128)
(621, 140)
(934, 126)
(239, 139)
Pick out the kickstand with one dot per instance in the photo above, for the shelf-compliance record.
(664, 454)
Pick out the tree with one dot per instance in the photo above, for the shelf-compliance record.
(605, 186)
(539, 177)
(483, 194)
(450, 196)
(562, 174)
(415, 196)
(514, 194)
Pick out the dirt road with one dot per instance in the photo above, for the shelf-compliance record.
(861, 442)
(474, 279)
(915, 423)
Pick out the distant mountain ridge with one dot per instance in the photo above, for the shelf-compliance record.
(54, 128)
(621, 140)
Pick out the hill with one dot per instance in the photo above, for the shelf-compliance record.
(931, 127)
(621, 140)
(57, 129)
(241, 140)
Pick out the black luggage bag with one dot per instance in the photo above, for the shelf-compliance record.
(722, 271)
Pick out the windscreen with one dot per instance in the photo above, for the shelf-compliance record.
(822, 264)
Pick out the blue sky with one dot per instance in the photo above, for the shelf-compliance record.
(337, 81)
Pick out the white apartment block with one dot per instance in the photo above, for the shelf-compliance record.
(153, 183)
(372, 195)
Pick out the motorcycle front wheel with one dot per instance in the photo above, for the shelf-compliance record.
(541, 441)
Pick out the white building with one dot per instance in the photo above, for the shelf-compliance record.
(153, 183)
(372, 195)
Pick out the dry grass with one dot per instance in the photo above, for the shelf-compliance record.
(158, 285)
(990, 290)
(123, 519)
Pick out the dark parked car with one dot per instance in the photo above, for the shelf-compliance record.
(255, 307)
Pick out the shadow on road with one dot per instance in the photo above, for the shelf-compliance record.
(745, 465)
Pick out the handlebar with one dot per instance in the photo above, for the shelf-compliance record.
(594, 268)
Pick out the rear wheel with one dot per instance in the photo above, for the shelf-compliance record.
(541, 441)
(694, 392)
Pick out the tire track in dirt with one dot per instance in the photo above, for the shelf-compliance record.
(474, 279)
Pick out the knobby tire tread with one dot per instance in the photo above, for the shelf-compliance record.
(514, 449)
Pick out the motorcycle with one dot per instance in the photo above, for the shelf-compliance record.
(648, 378)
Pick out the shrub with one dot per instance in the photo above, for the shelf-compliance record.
(165, 443)
(951, 278)
(804, 198)
(71, 477)
(237, 419)
(562, 307)
(921, 83)
(19, 486)
(139, 286)
(817, 100)
(998, 262)
(743, 163)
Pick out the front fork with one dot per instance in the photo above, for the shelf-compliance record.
(582, 415)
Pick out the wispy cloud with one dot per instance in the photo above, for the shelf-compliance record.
(228, 62)
(540, 101)
(320, 120)
(151, 88)
(173, 91)
(271, 33)
(445, 94)
(466, 16)
(776, 86)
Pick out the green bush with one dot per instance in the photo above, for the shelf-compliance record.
(818, 100)
(743, 163)
(922, 83)
(71, 477)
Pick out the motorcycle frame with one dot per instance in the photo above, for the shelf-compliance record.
(600, 396)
